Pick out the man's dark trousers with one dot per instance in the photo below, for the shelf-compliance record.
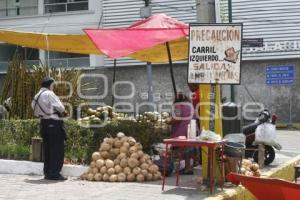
(53, 135)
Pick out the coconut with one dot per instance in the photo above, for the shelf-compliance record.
(139, 146)
(105, 177)
(144, 172)
(104, 154)
(243, 170)
(140, 178)
(118, 143)
(90, 176)
(113, 178)
(131, 141)
(130, 177)
(157, 176)
(120, 135)
(89, 111)
(117, 161)
(257, 173)
(246, 162)
(140, 153)
(127, 170)
(124, 149)
(133, 162)
(90, 170)
(118, 169)
(100, 163)
(109, 141)
(121, 177)
(116, 151)
(136, 170)
(95, 170)
(123, 162)
(103, 170)
(95, 156)
(124, 139)
(93, 164)
(109, 163)
(153, 169)
(98, 177)
(122, 155)
(105, 147)
(134, 155)
(146, 156)
(132, 150)
(126, 144)
(254, 167)
(111, 156)
(149, 177)
(84, 176)
(248, 173)
(143, 160)
(145, 166)
(149, 162)
(111, 171)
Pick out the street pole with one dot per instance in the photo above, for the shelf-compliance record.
(206, 14)
(232, 91)
(149, 72)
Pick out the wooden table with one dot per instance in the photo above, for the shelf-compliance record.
(176, 142)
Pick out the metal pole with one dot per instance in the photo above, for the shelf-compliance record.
(290, 117)
(171, 68)
(149, 81)
(230, 11)
(6, 8)
(114, 79)
(232, 91)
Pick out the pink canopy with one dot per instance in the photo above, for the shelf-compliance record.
(144, 34)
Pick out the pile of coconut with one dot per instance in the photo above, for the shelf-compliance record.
(121, 159)
(249, 168)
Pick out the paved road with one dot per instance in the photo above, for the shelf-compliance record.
(290, 142)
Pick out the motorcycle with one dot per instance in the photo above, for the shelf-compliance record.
(251, 146)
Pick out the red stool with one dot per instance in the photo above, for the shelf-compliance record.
(297, 172)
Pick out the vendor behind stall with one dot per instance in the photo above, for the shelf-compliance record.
(183, 113)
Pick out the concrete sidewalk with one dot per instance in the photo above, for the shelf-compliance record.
(24, 187)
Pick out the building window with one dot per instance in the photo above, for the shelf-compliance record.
(65, 60)
(54, 6)
(10, 8)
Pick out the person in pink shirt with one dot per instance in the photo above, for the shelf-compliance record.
(183, 113)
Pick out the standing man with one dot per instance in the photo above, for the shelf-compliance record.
(47, 106)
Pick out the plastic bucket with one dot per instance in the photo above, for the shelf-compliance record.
(233, 149)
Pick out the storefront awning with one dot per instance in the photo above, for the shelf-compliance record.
(52, 42)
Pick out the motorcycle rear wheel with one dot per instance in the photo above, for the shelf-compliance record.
(269, 155)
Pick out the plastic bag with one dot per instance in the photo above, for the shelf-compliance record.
(209, 135)
(266, 134)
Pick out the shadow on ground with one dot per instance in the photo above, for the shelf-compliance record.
(40, 181)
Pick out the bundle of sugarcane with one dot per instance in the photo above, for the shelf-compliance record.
(22, 82)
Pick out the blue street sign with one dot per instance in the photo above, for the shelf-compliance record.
(280, 75)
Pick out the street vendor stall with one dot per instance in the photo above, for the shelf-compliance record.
(157, 39)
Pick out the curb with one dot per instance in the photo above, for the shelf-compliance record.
(36, 168)
(281, 125)
(285, 171)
